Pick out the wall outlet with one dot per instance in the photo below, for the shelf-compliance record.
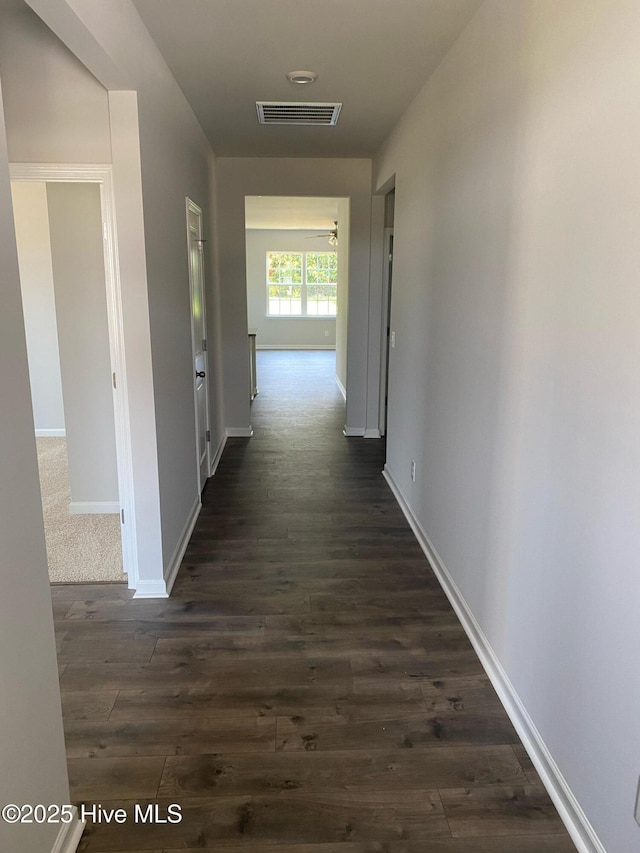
(326, 333)
(636, 811)
(393, 340)
(413, 470)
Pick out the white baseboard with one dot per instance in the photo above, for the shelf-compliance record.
(69, 835)
(51, 433)
(239, 432)
(342, 389)
(353, 432)
(176, 558)
(296, 346)
(372, 433)
(151, 589)
(569, 809)
(218, 455)
(94, 507)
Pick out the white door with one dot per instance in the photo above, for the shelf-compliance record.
(199, 339)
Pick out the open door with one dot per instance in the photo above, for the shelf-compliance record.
(199, 339)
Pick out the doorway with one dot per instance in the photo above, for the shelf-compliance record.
(71, 298)
(297, 262)
(388, 342)
(195, 245)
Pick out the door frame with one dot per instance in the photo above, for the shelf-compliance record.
(387, 263)
(101, 174)
(192, 208)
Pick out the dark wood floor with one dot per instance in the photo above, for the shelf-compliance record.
(307, 688)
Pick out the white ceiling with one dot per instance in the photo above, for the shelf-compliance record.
(290, 212)
(373, 56)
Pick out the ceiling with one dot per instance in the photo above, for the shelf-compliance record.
(373, 56)
(286, 213)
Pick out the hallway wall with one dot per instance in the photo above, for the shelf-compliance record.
(514, 382)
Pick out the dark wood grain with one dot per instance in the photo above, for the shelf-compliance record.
(307, 688)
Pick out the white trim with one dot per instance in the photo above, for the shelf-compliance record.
(69, 835)
(353, 432)
(218, 455)
(384, 343)
(372, 433)
(178, 553)
(151, 589)
(239, 432)
(341, 388)
(569, 809)
(51, 433)
(94, 507)
(296, 346)
(102, 175)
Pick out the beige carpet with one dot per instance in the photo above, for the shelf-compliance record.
(80, 548)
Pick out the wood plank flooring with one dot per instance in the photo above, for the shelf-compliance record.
(307, 687)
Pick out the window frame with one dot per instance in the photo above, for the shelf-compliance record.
(303, 287)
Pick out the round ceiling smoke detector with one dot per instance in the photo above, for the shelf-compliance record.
(301, 77)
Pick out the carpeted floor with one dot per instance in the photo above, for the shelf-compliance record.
(80, 548)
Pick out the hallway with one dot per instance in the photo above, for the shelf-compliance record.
(307, 687)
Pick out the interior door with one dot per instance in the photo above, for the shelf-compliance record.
(199, 339)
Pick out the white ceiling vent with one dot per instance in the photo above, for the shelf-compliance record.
(276, 112)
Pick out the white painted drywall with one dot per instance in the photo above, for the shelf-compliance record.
(239, 177)
(33, 767)
(31, 219)
(514, 383)
(279, 331)
(77, 256)
(56, 111)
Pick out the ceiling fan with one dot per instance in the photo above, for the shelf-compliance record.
(332, 235)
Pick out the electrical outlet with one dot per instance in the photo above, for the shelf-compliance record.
(413, 470)
(393, 340)
(326, 333)
(636, 811)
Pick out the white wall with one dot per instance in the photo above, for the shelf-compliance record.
(277, 331)
(31, 219)
(56, 111)
(33, 767)
(75, 224)
(514, 383)
(239, 177)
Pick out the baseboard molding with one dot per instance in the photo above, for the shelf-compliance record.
(341, 388)
(353, 432)
(94, 507)
(372, 433)
(239, 432)
(570, 811)
(51, 433)
(295, 346)
(176, 558)
(218, 455)
(69, 835)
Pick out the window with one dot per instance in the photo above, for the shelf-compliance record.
(302, 284)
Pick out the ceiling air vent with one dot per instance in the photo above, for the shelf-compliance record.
(275, 112)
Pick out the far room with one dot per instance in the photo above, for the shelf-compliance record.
(297, 275)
